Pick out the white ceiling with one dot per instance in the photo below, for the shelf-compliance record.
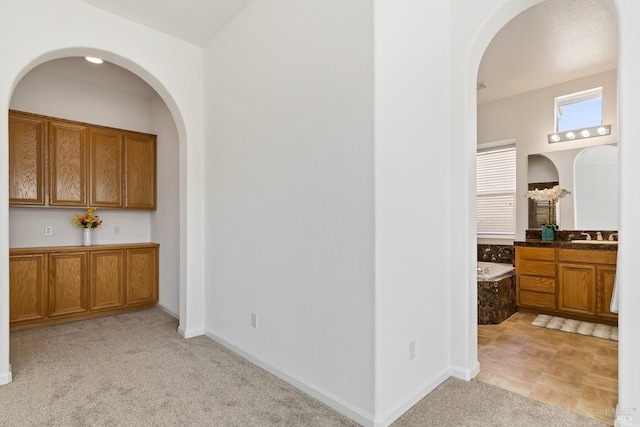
(194, 21)
(552, 42)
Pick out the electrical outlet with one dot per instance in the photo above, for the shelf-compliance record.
(116, 229)
(48, 230)
(412, 350)
(254, 320)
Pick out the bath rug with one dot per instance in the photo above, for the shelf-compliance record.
(571, 326)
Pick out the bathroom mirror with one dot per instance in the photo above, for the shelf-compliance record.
(593, 202)
(595, 181)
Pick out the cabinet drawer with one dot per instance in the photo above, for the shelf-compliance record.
(536, 268)
(592, 256)
(537, 299)
(538, 284)
(541, 254)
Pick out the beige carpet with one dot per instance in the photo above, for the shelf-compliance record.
(597, 330)
(133, 369)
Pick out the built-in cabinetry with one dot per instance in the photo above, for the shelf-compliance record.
(567, 282)
(56, 162)
(60, 284)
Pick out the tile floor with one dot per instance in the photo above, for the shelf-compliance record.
(571, 371)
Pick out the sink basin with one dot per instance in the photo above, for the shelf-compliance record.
(596, 242)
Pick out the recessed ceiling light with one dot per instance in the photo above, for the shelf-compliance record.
(93, 59)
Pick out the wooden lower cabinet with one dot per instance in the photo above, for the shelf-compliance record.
(606, 281)
(536, 277)
(566, 282)
(577, 288)
(142, 276)
(67, 283)
(61, 284)
(107, 284)
(28, 290)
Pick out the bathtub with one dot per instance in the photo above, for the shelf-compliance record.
(496, 292)
(490, 271)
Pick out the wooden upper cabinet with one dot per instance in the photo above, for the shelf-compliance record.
(105, 168)
(67, 164)
(57, 162)
(140, 171)
(26, 159)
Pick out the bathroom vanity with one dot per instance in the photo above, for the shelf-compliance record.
(565, 279)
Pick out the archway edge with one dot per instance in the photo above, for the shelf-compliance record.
(172, 67)
(165, 94)
(469, 47)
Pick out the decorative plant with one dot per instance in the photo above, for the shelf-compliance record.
(550, 195)
(88, 220)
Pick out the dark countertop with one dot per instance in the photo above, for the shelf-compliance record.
(566, 245)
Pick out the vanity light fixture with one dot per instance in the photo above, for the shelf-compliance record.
(93, 59)
(580, 133)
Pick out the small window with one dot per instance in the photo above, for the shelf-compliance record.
(579, 110)
(496, 192)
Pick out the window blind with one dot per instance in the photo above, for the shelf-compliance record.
(496, 191)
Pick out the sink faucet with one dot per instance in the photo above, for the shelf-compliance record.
(599, 235)
(611, 236)
(588, 236)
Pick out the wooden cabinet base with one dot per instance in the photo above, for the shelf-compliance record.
(75, 317)
(63, 284)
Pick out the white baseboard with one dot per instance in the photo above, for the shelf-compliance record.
(329, 399)
(466, 374)
(6, 377)
(311, 389)
(190, 333)
(411, 399)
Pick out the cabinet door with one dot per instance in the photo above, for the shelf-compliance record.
(67, 164)
(142, 275)
(67, 283)
(27, 287)
(106, 283)
(577, 288)
(606, 280)
(26, 159)
(105, 168)
(140, 171)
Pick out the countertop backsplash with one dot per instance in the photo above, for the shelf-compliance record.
(569, 235)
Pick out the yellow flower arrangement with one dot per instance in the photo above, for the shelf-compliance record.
(88, 220)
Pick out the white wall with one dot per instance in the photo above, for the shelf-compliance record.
(73, 28)
(412, 203)
(289, 213)
(529, 118)
(629, 246)
(165, 221)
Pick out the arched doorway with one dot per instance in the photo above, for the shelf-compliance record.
(610, 409)
(175, 111)
(108, 95)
